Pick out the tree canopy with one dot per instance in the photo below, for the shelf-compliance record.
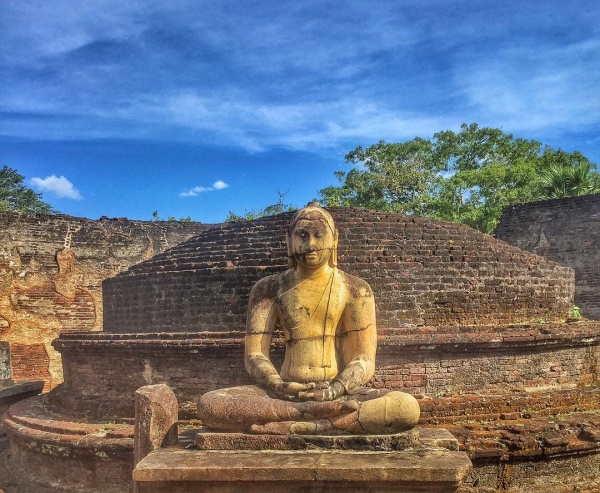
(15, 196)
(466, 177)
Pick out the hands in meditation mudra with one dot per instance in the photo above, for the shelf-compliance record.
(328, 321)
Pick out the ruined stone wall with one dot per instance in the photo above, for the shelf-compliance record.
(103, 371)
(422, 271)
(51, 270)
(566, 231)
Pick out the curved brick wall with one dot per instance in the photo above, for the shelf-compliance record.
(565, 231)
(103, 371)
(423, 271)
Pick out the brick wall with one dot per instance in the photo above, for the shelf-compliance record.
(102, 371)
(423, 271)
(31, 362)
(566, 231)
(51, 270)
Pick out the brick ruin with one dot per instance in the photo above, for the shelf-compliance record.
(51, 272)
(474, 327)
(566, 231)
(422, 271)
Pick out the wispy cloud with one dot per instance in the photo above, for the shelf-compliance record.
(531, 89)
(303, 76)
(59, 186)
(193, 192)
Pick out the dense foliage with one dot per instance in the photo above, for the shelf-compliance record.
(15, 196)
(466, 177)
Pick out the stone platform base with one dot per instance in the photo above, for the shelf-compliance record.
(421, 460)
(175, 470)
(48, 452)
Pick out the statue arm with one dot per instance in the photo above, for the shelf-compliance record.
(358, 340)
(259, 333)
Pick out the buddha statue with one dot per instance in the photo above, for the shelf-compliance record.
(328, 321)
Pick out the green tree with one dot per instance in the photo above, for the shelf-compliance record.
(567, 175)
(466, 177)
(395, 177)
(484, 171)
(15, 196)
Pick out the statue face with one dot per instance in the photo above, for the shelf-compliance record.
(312, 243)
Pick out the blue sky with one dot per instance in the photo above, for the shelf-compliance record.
(196, 108)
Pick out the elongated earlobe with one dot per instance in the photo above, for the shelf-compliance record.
(333, 257)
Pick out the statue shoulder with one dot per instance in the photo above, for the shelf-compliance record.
(266, 288)
(357, 287)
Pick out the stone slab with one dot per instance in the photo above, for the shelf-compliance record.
(206, 440)
(174, 464)
(437, 437)
(26, 388)
(176, 469)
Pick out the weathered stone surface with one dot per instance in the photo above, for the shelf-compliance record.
(108, 448)
(51, 269)
(418, 470)
(437, 437)
(155, 419)
(565, 231)
(50, 454)
(435, 361)
(328, 322)
(5, 365)
(394, 411)
(206, 440)
(27, 388)
(422, 271)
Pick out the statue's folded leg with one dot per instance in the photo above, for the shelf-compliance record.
(393, 412)
(237, 408)
(251, 408)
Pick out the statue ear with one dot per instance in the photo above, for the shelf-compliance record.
(333, 258)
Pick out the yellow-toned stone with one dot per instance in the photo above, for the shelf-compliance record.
(328, 322)
(394, 412)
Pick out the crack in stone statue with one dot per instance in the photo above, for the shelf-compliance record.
(328, 320)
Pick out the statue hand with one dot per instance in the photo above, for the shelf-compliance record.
(328, 392)
(291, 390)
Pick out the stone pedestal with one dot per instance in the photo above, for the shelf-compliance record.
(420, 460)
(176, 470)
(425, 460)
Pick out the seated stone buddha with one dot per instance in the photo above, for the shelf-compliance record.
(328, 322)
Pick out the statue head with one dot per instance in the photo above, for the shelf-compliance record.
(312, 238)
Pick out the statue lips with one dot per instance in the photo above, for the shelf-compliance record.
(313, 259)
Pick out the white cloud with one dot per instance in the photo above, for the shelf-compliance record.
(218, 185)
(529, 88)
(60, 186)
